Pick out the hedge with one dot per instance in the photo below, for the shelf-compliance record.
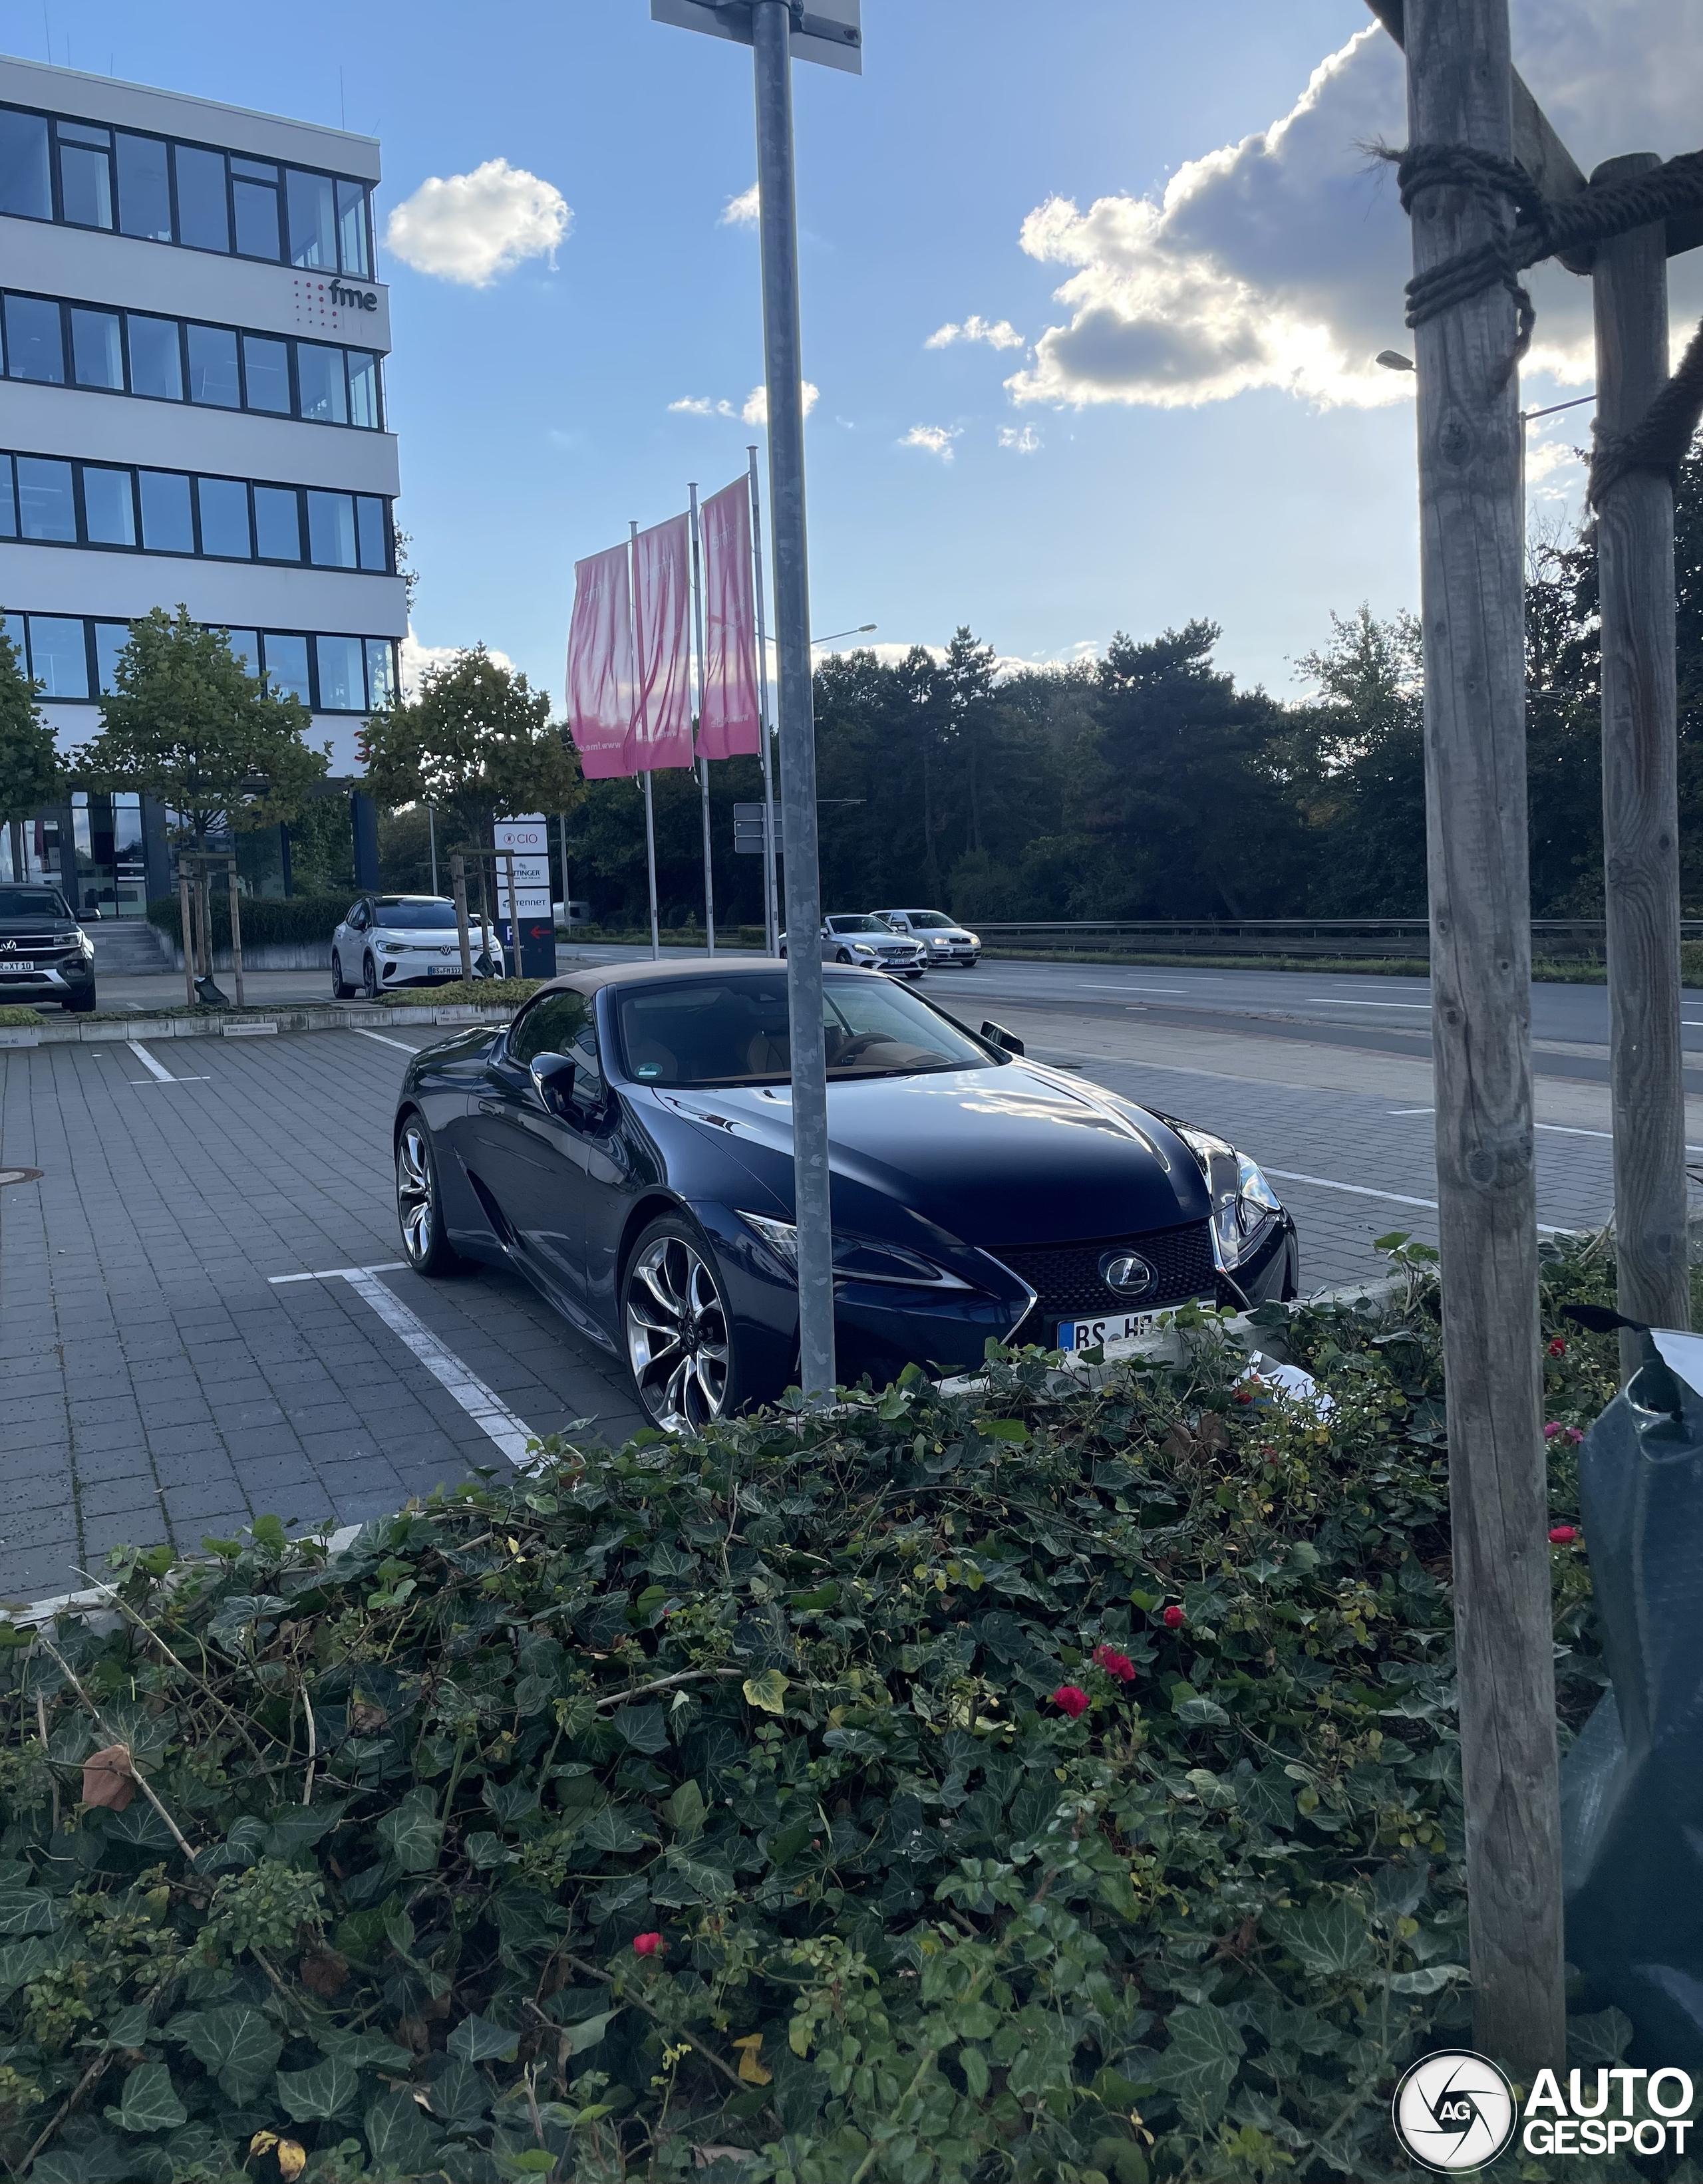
(1051, 1783)
(306, 918)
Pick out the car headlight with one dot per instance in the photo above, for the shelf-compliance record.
(389, 947)
(857, 1258)
(1243, 1203)
(974, 938)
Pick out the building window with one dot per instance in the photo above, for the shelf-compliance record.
(97, 350)
(34, 346)
(313, 220)
(381, 671)
(203, 216)
(286, 661)
(239, 522)
(277, 375)
(110, 639)
(144, 188)
(85, 173)
(255, 200)
(58, 657)
(26, 184)
(351, 230)
(341, 678)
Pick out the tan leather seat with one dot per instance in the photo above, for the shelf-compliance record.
(768, 1055)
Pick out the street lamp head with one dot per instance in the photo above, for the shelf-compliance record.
(1392, 359)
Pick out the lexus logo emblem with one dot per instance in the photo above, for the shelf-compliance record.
(1126, 1273)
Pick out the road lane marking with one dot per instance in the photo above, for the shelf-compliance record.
(1358, 1001)
(487, 1409)
(1365, 1191)
(155, 1074)
(1413, 1111)
(1124, 986)
(400, 1044)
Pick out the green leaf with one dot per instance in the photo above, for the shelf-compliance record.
(414, 1832)
(1200, 2065)
(149, 2103)
(812, 1603)
(1004, 1429)
(331, 2088)
(128, 2027)
(487, 1850)
(1331, 1935)
(459, 2094)
(397, 2137)
(685, 1811)
(29, 1911)
(787, 1842)
(477, 2039)
(644, 1728)
(236, 2043)
(1429, 1979)
(685, 1880)
(587, 2032)
(768, 1690)
(611, 1827)
(1201, 1714)
(1601, 2038)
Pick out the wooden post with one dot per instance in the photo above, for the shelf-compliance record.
(236, 926)
(458, 881)
(1471, 594)
(188, 935)
(1640, 789)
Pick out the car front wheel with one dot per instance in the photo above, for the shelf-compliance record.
(419, 1203)
(369, 979)
(340, 988)
(680, 1341)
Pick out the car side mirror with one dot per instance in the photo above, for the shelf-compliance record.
(997, 1035)
(553, 1075)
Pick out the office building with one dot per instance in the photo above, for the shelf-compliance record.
(192, 410)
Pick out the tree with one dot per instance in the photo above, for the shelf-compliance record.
(475, 742)
(31, 774)
(1357, 758)
(189, 725)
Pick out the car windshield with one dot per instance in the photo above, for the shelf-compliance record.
(414, 913)
(858, 925)
(28, 904)
(733, 1031)
(928, 920)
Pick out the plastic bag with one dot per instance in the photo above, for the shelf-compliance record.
(1631, 1787)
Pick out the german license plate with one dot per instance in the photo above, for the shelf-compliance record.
(1116, 1326)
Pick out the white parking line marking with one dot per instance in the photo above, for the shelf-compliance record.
(1413, 1111)
(487, 1409)
(1364, 1190)
(156, 1075)
(401, 1044)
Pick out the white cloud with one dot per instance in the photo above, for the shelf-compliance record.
(415, 659)
(469, 228)
(743, 211)
(753, 410)
(1279, 261)
(700, 406)
(999, 334)
(1023, 440)
(936, 439)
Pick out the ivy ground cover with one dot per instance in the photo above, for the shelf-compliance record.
(1048, 1783)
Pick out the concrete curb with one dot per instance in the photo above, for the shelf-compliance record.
(216, 1023)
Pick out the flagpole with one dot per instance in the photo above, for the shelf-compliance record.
(638, 692)
(771, 936)
(703, 762)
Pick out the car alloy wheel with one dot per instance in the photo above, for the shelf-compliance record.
(369, 979)
(417, 1203)
(679, 1343)
(340, 988)
(844, 956)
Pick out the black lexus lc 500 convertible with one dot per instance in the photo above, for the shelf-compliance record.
(627, 1143)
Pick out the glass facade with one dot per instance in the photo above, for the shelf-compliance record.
(62, 503)
(64, 344)
(76, 656)
(85, 173)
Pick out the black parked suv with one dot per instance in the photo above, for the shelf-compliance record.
(45, 955)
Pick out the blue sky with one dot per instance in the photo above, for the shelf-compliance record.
(1200, 433)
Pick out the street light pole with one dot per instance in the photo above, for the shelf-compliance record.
(771, 23)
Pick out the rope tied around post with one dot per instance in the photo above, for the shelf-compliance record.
(1552, 227)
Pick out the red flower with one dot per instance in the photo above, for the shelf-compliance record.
(1174, 1619)
(1562, 1536)
(1552, 1429)
(1114, 1663)
(648, 1945)
(1244, 1395)
(1558, 1348)
(1071, 1699)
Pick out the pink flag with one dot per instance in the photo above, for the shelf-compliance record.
(600, 683)
(662, 597)
(730, 725)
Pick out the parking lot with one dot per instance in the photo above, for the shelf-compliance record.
(201, 1317)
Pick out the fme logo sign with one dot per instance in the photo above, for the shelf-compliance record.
(345, 299)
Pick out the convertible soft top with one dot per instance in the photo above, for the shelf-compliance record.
(591, 976)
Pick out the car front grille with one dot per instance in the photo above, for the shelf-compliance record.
(1066, 1277)
(34, 944)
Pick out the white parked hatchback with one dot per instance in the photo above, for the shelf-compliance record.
(387, 940)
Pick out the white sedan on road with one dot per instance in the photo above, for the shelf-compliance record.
(387, 940)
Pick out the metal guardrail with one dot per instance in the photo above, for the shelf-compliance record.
(1553, 938)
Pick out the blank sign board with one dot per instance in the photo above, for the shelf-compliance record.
(830, 31)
